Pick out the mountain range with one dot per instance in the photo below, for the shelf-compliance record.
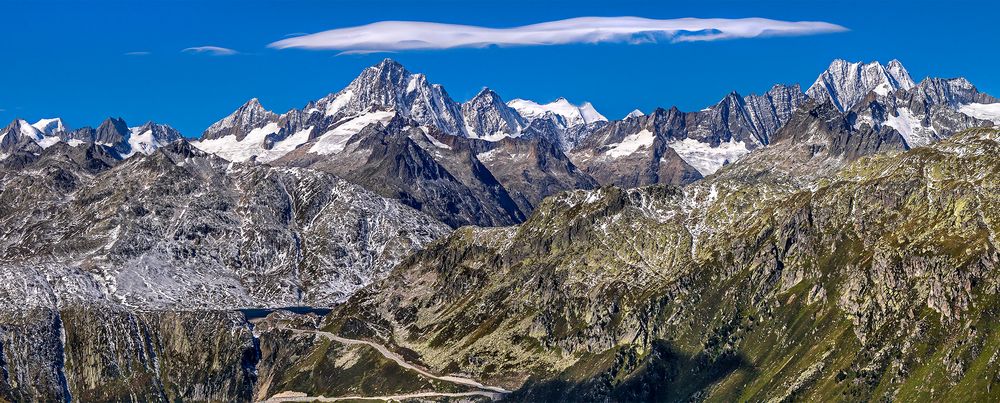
(836, 243)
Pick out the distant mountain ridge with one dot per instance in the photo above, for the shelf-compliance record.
(386, 102)
(664, 146)
(19, 136)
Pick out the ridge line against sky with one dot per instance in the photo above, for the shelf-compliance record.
(85, 61)
(391, 36)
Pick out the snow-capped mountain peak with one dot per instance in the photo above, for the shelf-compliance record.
(388, 85)
(50, 126)
(247, 117)
(486, 116)
(573, 114)
(28, 131)
(634, 114)
(845, 83)
(149, 137)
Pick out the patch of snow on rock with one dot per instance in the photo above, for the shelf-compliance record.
(707, 159)
(631, 143)
(910, 127)
(230, 148)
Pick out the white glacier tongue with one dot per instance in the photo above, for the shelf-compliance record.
(845, 83)
(989, 112)
(707, 159)
(335, 140)
(631, 143)
(573, 114)
(235, 149)
(911, 128)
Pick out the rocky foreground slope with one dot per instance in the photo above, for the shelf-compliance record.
(878, 280)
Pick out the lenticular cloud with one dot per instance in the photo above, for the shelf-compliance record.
(391, 36)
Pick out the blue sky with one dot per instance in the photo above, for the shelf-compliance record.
(70, 58)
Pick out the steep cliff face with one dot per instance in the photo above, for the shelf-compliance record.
(108, 353)
(875, 281)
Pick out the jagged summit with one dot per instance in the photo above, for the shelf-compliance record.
(113, 132)
(634, 114)
(845, 83)
(247, 117)
(388, 85)
(487, 116)
(50, 126)
(17, 133)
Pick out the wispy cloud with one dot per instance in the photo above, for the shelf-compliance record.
(142, 53)
(211, 50)
(388, 36)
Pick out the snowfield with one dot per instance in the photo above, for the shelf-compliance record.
(707, 159)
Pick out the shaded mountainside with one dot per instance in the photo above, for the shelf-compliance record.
(402, 161)
(877, 281)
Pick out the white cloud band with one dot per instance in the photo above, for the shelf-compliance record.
(211, 50)
(389, 36)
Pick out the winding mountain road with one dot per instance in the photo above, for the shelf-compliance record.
(302, 397)
(492, 392)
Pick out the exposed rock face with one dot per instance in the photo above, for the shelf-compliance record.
(388, 85)
(106, 353)
(845, 83)
(531, 170)
(182, 229)
(486, 115)
(863, 274)
(925, 113)
(674, 147)
(635, 152)
(410, 164)
(16, 135)
(246, 118)
(769, 111)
